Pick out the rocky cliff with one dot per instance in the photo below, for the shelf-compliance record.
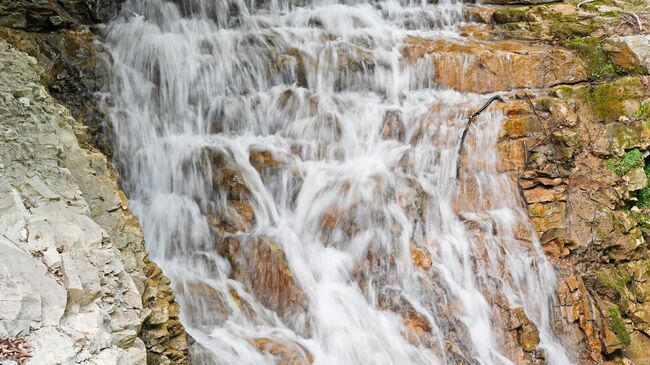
(578, 148)
(77, 284)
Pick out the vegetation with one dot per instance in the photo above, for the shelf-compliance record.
(643, 112)
(631, 160)
(591, 51)
(617, 325)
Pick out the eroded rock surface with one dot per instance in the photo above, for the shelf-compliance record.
(73, 264)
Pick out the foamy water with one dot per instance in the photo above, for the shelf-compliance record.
(312, 84)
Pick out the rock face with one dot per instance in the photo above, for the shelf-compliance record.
(131, 318)
(72, 295)
(74, 262)
(581, 169)
(42, 15)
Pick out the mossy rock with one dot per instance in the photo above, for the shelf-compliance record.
(590, 50)
(606, 102)
(629, 161)
(643, 112)
(616, 323)
(510, 15)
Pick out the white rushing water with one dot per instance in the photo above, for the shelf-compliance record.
(363, 170)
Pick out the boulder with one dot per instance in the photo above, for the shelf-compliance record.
(630, 53)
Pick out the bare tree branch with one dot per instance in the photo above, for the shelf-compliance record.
(466, 130)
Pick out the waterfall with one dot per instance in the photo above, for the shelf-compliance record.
(295, 175)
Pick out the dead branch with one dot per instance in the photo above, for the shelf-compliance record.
(584, 2)
(634, 16)
(466, 130)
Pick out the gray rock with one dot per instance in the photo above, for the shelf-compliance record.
(32, 298)
(64, 285)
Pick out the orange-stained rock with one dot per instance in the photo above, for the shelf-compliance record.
(545, 195)
(263, 159)
(526, 332)
(421, 257)
(261, 266)
(576, 308)
(512, 155)
(284, 353)
(481, 67)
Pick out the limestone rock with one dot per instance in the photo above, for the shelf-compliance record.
(32, 298)
(70, 255)
(630, 53)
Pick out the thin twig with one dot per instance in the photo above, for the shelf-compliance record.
(466, 130)
(638, 20)
(584, 2)
(532, 107)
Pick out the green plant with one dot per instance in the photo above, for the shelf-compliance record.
(591, 51)
(617, 325)
(631, 160)
(643, 112)
(643, 197)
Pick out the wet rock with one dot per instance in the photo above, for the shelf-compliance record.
(421, 257)
(226, 176)
(526, 332)
(493, 66)
(481, 14)
(284, 353)
(393, 127)
(417, 324)
(261, 265)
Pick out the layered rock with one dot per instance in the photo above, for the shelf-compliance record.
(74, 296)
(71, 67)
(580, 166)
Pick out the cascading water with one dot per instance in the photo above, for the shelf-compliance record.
(295, 175)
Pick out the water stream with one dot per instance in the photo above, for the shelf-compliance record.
(288, 162)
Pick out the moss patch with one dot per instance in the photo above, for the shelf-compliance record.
(643, 112)
(606, 101)
(631, 160)
(590, 50)
(617, 325)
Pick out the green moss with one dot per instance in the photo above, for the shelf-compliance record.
(590, 50)
(565, 90)
(617, 325)
(606, 101)
(643, 112)
(631, 160)
(593, 6)
(571, 29)
(643, 219)
(643, 198)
